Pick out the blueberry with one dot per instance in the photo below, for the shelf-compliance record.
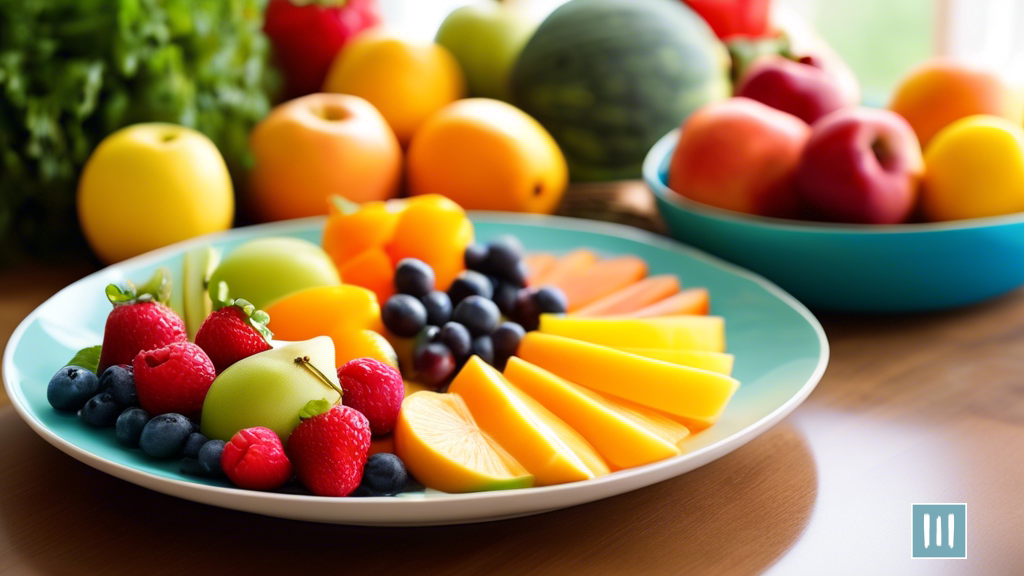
(414, 277)
(478, 314)
(526, 312)
(550, 300)
(458, 340)
(119, 380)
(209, 457)
(164, 436)
(505, 297)
(506, 338)
(474, 256)
(434, 363)
(439, 307)
(483, 347)
(426, 336)
(505, 260)
(129, 425)
(404, 315)
(71, 387)
(383, 475)
(101, 411)
(192, 445)
(469, 283)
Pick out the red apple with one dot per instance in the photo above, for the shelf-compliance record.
(804, 88)
(861, 165)
(740, 155)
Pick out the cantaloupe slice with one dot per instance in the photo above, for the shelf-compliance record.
(442, 446)
(547, 447)
(674, 332)
(567, 267)
(691, 301)
(713, 361)
(623, 437)
(602, 279)
(633, 297)
(538, 264)
(691, 393)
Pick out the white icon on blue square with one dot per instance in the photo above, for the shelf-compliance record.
(940, 530)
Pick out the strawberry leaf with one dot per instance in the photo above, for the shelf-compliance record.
(88, 358)
(314, 408)
(156, 289)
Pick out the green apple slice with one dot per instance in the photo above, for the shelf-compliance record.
(199, 265)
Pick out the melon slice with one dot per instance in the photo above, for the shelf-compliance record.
(633, 297)
(713, 361)
(537, 265)
(442, 446)
(567, 267)
(690, 393)
(602, 279)
(675, 332)
(692, 301)
(547, 447)
(622, 436)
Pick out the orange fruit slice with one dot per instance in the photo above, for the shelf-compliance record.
(673, 332)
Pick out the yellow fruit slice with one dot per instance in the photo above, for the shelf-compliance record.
(683, 332)
(713, 361)
(691, 393)
(442, 446)
(624, 437)
(547, 447)
(352, 344)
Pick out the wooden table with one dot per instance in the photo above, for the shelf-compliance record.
(925, 408)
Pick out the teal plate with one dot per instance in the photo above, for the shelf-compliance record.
(781, 353)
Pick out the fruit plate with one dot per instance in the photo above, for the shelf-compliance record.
(781, 353)
(847, 267)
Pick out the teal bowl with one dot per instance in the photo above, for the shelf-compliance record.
(852, 268)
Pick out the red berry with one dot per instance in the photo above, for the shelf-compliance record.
(255, 459)
(132, 328)
(227, 336)
(329, 451)
(174, 378)
(375, 389)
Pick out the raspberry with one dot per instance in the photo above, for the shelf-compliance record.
(174, 378)
(329, 448)
(255, 459)
(375, 389)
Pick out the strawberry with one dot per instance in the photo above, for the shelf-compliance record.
(235, 330)
(255, 459)
(375, 389)
(329, 448)
(308, 34)
(174, 378)
(140, 320)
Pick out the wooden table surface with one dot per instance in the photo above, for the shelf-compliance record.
(925, 408)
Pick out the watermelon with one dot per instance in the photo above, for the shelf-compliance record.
(607, 78)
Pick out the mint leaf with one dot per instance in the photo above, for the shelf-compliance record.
(88, 358)
(314, 408)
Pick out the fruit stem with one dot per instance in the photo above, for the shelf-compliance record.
(308, 365)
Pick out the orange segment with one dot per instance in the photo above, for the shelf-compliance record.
(537, 265)
(692, 301)
(372, 269)
(623, 437)
(604, 278)
(435, 230)
(697, 395)
(442, 446)
(353, 228)
(569, 266)
(547, 447)
(633, 297)
(713, 361)
(671, 332)
(314, 311)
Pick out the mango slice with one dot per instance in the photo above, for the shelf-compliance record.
(625, 437)
(442, 446)
(633, 297)
(713, 361)
(690, 393)
(547, 447)
(683, 332)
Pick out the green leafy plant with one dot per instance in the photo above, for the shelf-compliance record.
(73, 71)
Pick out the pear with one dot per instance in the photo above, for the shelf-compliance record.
(270, 388)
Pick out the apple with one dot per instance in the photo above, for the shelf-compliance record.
(269, 388)
(486, 38)
(861, 165)
(804, 88)
(741, 155)
(150, 185)
(311, 148)
(264, 270)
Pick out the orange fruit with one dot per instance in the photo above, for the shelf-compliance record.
(316, 311)
(352, 228)
(352, 344)
(372, 269)
(435, 230)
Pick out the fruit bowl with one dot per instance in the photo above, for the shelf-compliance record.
(780, 348)
(852, 268)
